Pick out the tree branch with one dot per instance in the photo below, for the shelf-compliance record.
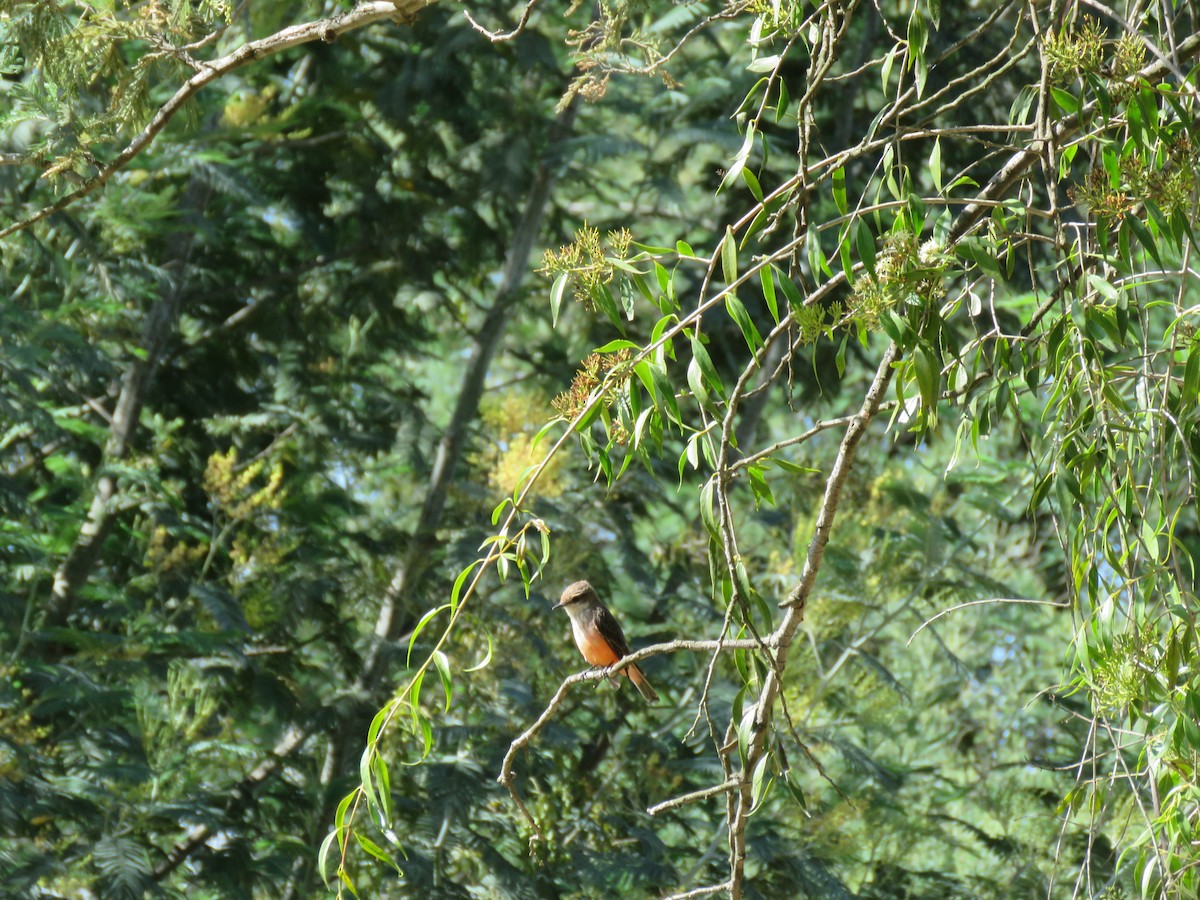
(328, 29)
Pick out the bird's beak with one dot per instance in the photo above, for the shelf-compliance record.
(559, 604)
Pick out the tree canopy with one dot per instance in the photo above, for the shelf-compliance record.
(849, 349)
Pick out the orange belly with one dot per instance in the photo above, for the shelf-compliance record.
(595, 648)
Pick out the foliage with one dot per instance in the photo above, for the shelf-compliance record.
(881, 369)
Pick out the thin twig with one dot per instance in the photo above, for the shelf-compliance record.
(497, 36)
(723, 788)
(946, 612)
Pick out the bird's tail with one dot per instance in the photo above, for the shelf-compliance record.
(643, 686)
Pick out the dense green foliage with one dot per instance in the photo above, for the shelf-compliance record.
(860, 336)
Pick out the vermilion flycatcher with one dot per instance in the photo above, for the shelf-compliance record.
(598, 635)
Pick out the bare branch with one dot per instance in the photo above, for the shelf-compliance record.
(989, 600)
(723, 788)
(497, 36)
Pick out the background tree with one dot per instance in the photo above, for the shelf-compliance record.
(893, 309)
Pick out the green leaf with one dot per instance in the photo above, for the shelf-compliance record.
(759, 487)
(739, 161)
(928, 380)
(935, 164)
(794, 789)
(752, 182)
(817, 263)
(557, 292)
(794, 298)
(729, 266)
(708, 513)
(768, 287)
(443, 666)
(885, 71)
(323, 854)
(384, 779)
(974, 250)
(918, 35)
(865, 242)
(791, 467)
(1191, 376)
(759, 783)
(737, 312)
(428, 617)
(607, 304)
(1147, 240)
(709, 372)
(666, 394)
(1067, 101)
(367, 782)
(839, 190)
(618, 344)
(765, 63)
(487, 657)
(376, 851)
(696, 382)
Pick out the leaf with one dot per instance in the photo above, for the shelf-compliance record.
(556, 296)
(928, 380)
(384, 779)
(607, 304)
(487, 657)
(739, 161)
(794, 298)
(817, 263)
(918, 35)
(781, 106)
(885, 71)
(1067, 101)
(456, 591)
(759, 783)
(443, 666)
(839, 190)
(794, 789)
(707, 514)
(376, 851)
(865, 242)
(1191, 376)
(737, 312)
(618, 344)
(367, 783)
(935, 164)
(793, 468)
(767, 278)
(666, 394)
(709, 372)
(752, 182)
(974, 250)
(729, 266)
(759, 487)
(1142, 233)
(765, 63)
(324, 853)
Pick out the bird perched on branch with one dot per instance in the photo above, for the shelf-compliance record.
(598, 635)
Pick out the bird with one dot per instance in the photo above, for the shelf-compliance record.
(598, 635)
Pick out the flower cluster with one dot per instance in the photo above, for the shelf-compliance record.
(233, 491)
(904, 272)
(1169, 181)
(1082, 52)
(571, 402)
(586, 262)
